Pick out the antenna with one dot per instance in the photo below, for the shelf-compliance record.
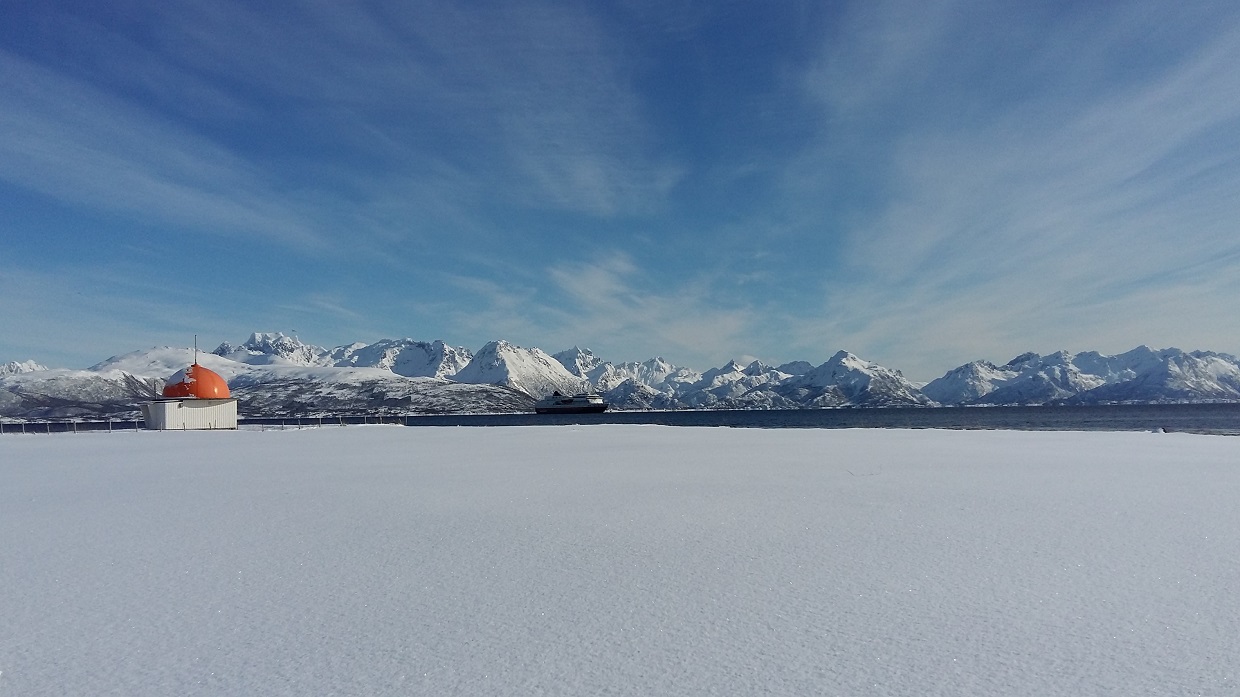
(195, 349)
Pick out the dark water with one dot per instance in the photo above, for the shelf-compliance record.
(1196, 418)
(1192, 418)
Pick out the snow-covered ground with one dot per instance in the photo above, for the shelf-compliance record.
(619, 560)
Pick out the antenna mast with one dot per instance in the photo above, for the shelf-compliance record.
(195, 349)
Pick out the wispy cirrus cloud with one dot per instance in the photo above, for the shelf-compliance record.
(1001, 222)
(286, 122)
(74, 318)
(610, 303)
(535, 99)
(613, 300)
(69, 141)
(919, 182)
(379, 142)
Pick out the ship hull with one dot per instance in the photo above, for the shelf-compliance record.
(573, 409)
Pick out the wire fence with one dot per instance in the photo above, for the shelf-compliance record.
(263, 423)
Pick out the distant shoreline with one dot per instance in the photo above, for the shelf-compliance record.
(1222, 418)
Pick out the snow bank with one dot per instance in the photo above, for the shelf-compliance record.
(626, 560)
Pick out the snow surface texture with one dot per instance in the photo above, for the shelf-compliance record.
(621, 560)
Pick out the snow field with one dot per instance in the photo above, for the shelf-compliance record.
(620, 560)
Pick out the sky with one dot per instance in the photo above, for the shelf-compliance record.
(922, 183)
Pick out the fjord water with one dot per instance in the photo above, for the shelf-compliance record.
(1194, 418)
(1222, 419)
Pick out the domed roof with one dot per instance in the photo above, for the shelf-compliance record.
(196, 381)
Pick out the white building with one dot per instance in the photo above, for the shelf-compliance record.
(194, 399)
(191, 413)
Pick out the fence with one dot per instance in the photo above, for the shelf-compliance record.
(68, 426)
(36, 427)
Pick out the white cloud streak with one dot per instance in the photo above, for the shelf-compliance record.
(532, 101)
(611, 305)
(980, 186)
(537, 96)
(611, 300)
(76, 317)
(1056, 224)
(71, 142)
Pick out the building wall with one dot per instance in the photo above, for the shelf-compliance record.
(190, 414)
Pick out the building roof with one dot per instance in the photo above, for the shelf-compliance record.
(198, 382)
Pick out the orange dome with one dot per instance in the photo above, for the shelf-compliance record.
(196, 381)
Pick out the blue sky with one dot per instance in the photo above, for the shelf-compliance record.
(921, 183)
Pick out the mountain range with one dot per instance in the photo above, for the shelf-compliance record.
(277, 375)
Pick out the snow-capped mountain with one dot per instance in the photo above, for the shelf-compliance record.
(1049, 379)
(263, 348)
(618, 382)
(578, 361)
(401, 356)
(405, 357)
(1178, 376)
(531, 371)
(655, 373)
(161, 362)
(969, 382)
(64, 394)
(795, 367)
(278, 387)
(734, 387)
(276, 375)
(1140, 375)
(633, 395)
(847, 380)
(14, 367)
